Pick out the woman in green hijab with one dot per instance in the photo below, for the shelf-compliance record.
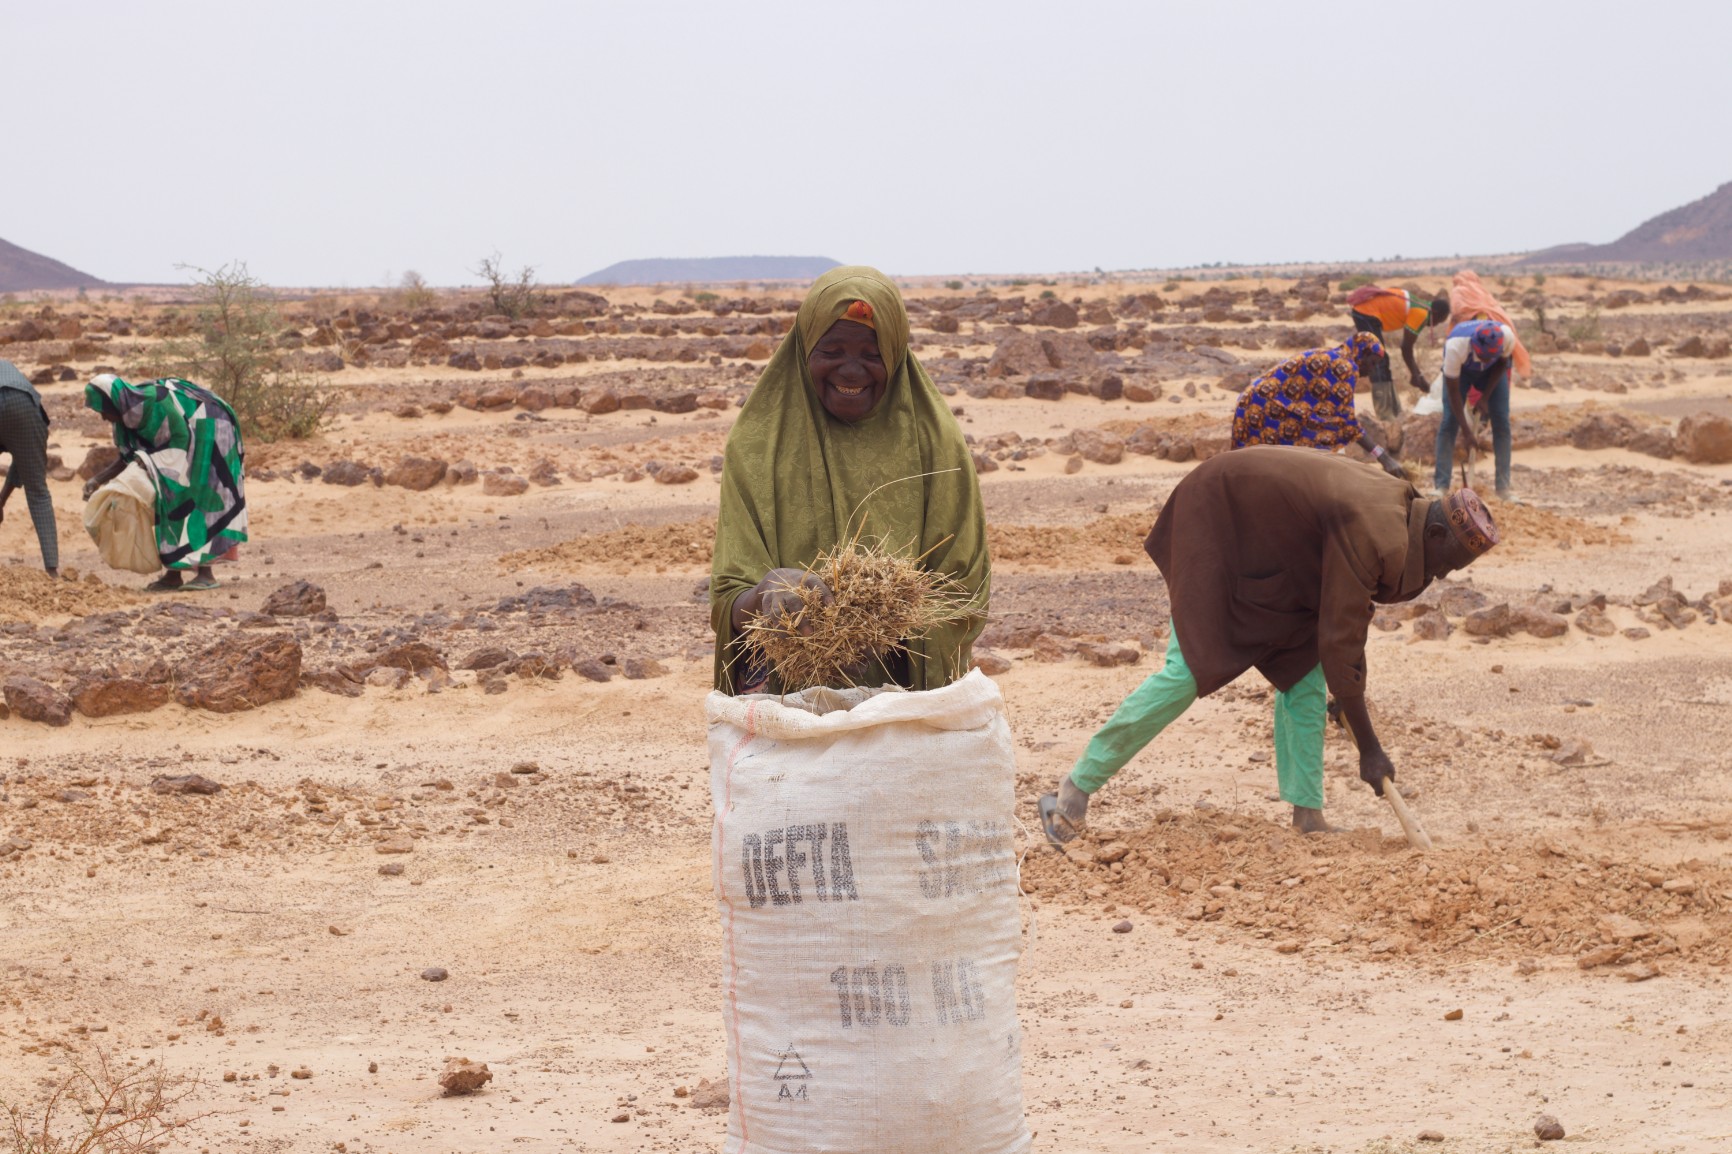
(846, 429)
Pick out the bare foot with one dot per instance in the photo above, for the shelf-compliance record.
(1308, 820)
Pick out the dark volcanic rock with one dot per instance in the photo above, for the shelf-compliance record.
(415, 656)
(240, 673)
(183, 783)
(417, 474)
(297, 599)
(110, 696)
(348, 473)
(35, 700)
(545, 597)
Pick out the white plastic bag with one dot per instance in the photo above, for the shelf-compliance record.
(121, 518)
(1432, 402)
(865, 869)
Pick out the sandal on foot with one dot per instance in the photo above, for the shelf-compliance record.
(201, 584)
(160, 585)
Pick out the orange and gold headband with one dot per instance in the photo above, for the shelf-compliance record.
(861, 313)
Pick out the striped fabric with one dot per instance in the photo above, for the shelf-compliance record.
(24, 434)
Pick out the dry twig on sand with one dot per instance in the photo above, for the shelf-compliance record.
(880, 600)
(102, 1109)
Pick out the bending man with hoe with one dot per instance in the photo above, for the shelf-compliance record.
(1273, 558)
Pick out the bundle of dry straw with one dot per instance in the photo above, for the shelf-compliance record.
(879, 601)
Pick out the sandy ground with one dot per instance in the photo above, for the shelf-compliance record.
(572, 905)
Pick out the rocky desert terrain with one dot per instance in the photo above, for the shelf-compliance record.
(426, 779)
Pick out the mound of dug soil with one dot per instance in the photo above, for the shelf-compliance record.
(1116, 539)
(1363, 894)
(628, 549)
(28, 594)
(1530, 528)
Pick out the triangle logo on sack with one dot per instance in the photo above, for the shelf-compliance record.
(792, 1067)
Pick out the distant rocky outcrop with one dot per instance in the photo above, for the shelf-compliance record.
(23, 271)
(1699, 231)
(712, 269)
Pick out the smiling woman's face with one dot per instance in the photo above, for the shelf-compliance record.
(847, 371)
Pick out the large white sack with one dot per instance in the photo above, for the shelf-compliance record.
(1433, 401)
(865, 868)
(121, 518)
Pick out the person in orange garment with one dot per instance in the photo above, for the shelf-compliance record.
(1386, 313)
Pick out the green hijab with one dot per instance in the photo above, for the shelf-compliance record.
(796, 481)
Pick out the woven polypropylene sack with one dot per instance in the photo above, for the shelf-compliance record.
(864, 864)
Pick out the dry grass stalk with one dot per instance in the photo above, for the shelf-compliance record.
(880, 600)
(101, 1108)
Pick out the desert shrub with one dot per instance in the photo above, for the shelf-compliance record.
(1588, 327)
(101, 1109)
(1357, 280)
(953, 285)
(705, 299)
(227, 344)
(512, 294)
(415, 292)
(1048, 295)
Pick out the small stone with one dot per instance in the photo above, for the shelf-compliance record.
(1287, 948)
(338, 931)
(229, 1075)
(1122, 927)
(372, 1067)
(622, 1116)
(1548, 1128)
(642, 668)
(526, 767)
(392, 869)
(402, 843)
(682, 1092)
(1452, 1016)
(302, 1073)
(461, 1076)
(435, 974)
(1126, 1004)
(710, 1095)
(1431, 1135)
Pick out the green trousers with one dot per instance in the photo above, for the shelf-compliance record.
(1157, 703)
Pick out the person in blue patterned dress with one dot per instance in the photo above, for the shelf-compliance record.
(1307, 401)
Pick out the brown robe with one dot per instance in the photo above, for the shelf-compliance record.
(1273, 557)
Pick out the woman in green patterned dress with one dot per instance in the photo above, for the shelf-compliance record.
(189, 440)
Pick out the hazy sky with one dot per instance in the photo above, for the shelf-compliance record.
(342, 143)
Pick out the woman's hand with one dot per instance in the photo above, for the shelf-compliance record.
(775, 597)
(779, 599)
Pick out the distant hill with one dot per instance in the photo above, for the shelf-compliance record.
(23, 271)
(1699, 231)
(712, 269)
